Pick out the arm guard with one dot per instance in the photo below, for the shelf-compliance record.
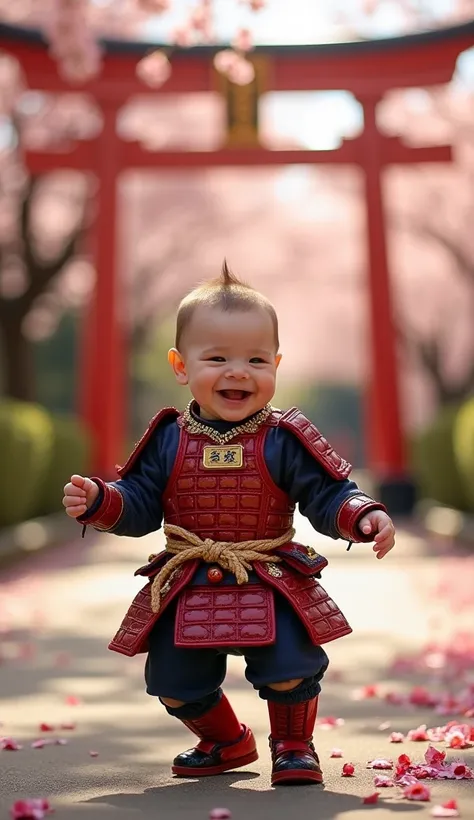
(350, 513)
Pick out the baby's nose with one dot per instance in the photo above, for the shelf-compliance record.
(238, 371)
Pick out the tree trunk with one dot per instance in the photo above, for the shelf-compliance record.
(18, 365)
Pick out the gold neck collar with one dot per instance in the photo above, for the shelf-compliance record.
(252, 425)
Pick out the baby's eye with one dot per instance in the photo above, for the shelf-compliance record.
(257, 360)
(216, 359)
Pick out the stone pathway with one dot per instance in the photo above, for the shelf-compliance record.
(59, 609)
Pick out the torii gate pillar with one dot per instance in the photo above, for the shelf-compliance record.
(384, 427)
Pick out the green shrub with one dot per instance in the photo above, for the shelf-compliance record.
(71, 453)
(26, 441)
(434, 463)
(464, 448)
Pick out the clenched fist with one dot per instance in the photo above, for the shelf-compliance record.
(79, 494)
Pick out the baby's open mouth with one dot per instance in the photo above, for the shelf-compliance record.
(234, 395)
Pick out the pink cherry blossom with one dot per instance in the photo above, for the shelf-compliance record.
(71, 40)
(348, 770)
(220, 814)
(200, 18)
(154, 6)
(459, 771)
(419, 696)
(437, 734)
(396, 737)
(394, 698)
(456, 739)
(9, 745)
(72, 700)
(370, 691)
(41, 743)
(372, 798)
(31, 809)
(434, 757)
(330, 722)
(380, 763)
(256, 5)
(407, 780)
(224, 60)
(381, 780)
(92, 753)
(183, 37)
(154, 69)
(336, 753)
(241, 71)
(418, 791)
(243, 40)
(419, 734)
(46, 727)
(448, 809)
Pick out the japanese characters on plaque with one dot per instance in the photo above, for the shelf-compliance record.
(229, 455)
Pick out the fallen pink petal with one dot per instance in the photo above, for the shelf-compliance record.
(371, 798)
(448, 809)
(434, 757)
(31, 809)
(72, 700)
(336, 753)
(458, 770)
(418, 735)
(67, 726)
(330, 722)
(417, 791)
(46, 727)
(396, 737)
(9, 745)
(348, 770)
(220, 814)
(380, 763)
(92, 753)
(381, 780)
(41, 743)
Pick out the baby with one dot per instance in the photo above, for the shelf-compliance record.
(224, 476)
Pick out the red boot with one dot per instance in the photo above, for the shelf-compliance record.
(224, 744)
(293, 756)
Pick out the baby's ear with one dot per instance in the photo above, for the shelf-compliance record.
(177, 363)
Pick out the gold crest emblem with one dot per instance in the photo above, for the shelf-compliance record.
(229, 456)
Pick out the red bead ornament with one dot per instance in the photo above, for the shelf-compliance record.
(214, 575)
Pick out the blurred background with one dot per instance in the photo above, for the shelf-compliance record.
(296, 232)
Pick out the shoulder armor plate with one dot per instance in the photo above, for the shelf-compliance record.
(309, 435)
(155, 422)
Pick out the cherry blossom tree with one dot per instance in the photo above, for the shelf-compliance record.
(431, 215)
(73, 27)
(43, 265)
(42, 224)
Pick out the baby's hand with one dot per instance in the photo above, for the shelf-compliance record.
(379, 523)
(79, 494)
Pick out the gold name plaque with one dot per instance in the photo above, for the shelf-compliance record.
(229, 456)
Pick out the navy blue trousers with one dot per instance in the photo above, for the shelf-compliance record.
(191, 674)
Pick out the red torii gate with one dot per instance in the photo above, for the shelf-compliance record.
(366, 69)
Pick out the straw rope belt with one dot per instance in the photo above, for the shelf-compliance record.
(235, 557)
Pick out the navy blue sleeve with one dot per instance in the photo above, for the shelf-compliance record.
(142, 488)
(297, 473)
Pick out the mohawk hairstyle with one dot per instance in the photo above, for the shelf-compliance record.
(227, 293)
